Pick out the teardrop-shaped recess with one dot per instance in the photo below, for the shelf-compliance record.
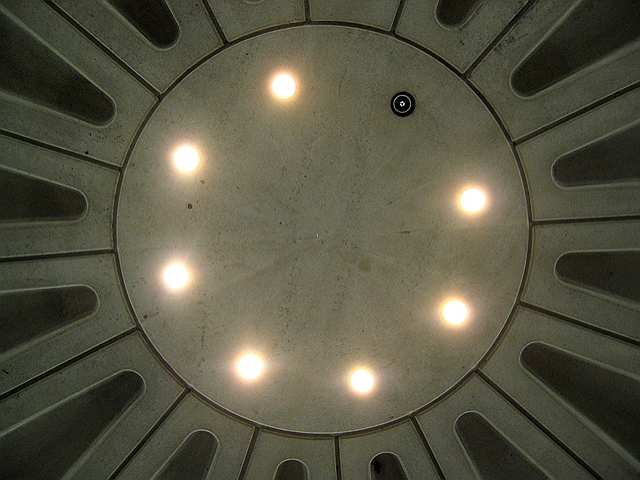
(152, 18)
(493, 455)
(46, 446)
(615, 273)
(292, 469)
(592, 31)
(29, 315)
(192, 460)
(387, 466)
(454, 13)
(34, 72)
(605, 396)
(611, 160)
(29, 199)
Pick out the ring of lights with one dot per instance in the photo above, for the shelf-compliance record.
(203, 351)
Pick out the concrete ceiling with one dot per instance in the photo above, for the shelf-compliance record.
(323, 234)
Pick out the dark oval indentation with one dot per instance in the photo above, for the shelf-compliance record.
(494, 456)
(592, 31)
(29, 315)
(616, 272)
(29, 199)
(47, 445)
(387, 466)
(152, 18)
(611, 160)
(605, 396)
(292, 470)
(192, 460)
(454, 13)
(32, 71)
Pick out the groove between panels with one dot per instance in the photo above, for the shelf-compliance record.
(67, 363)
(538, 425)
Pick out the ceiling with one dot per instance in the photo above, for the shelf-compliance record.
(225, 256)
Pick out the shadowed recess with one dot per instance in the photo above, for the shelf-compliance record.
(29, 199)
(616, 273)
(608, 398)
(387, 466)
(47, 445)
(292, 470)
(493, 455)
(454, 13)
(29, 315)
(610, 160)
(152, 18)
(592, 31)
(192, 460)
(34, 72)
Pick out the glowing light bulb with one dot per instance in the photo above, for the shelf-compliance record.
(362, 381)
(250, 367)
(455, 312)
(186, 158)
(283, 86)
(473, 201)
(176, 276)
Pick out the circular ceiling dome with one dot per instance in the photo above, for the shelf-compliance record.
(318, 239)
(323, 232)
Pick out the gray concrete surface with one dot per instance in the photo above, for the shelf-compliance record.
(159, 66)
(462, 44)
(102, 382)
(192, 415)
(600, 76)
(402, 440)
(376, 13)
(271, 450)
(593, 444)
(439, 425)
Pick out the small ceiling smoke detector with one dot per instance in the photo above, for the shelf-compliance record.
(403, 104)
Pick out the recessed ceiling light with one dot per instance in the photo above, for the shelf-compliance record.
(362, 381)
(455, 312)
(249, 367)
(283, 86)
(473, 200)
(186, 158)
(176, 276)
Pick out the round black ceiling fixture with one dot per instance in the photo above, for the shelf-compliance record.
(403, 104)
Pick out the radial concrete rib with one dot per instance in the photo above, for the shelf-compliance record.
(454, 13)
(29, 199)
(610, 160)
(493, 455)
(48, 445)
(614, 273)
(573, 321)
(152, 18)
(193, 459)
(35, 73)
(577, 113)
(591, 32)
(58, 149)
(27, 316)
(606, 397)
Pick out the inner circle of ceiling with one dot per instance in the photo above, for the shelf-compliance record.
(322, 232)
